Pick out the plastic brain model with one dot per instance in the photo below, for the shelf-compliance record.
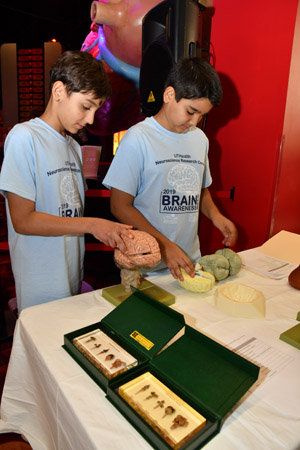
(217, 265)
(235, 261)
(294, 278)
(222, 264)
(142, 251)
(202, 282)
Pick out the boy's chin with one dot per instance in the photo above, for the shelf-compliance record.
(73, 131)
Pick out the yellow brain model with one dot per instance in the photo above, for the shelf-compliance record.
(202, 282)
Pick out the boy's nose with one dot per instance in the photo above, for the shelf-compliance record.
(195, 120)
(90, 117)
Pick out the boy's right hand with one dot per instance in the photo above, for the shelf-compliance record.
(175, 259)
(110, 233)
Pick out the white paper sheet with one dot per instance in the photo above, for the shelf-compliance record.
(276, 366)
(283, 245)
(265, 265)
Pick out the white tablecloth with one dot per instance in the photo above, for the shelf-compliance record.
(48, 397)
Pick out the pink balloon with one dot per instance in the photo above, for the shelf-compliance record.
(122, 26)
(121, 21)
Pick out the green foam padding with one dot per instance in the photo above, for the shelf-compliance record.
(292, 336)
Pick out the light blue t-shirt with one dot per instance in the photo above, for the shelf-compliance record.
(43, 166)
(165, 172)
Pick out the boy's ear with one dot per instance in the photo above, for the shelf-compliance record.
(58, 90)
(169, 94)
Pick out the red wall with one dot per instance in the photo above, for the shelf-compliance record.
(251, 44)
(287, 205)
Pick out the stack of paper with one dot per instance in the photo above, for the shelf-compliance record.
(265, 265)
(276, 258)
(284, 245)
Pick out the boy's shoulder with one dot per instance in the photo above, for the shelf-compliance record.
(137, 130)
(30, 129)
(24, 127)
(147, 126)
(20, 131)
(142, 125)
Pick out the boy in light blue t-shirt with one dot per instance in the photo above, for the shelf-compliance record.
(44, 186)
(159, 177)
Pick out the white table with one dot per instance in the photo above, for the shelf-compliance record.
(48, 398)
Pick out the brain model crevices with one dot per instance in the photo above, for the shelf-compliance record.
(202, 282)
(142, 252)
(222, 264)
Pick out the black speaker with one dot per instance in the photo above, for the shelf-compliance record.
(169, 32)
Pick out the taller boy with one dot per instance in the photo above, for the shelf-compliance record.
(43, 183)
(160, 174)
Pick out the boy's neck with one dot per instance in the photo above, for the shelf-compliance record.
(50, 118)
(160, 118)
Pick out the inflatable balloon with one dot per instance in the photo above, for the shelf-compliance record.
(122, 26)
(116, 38)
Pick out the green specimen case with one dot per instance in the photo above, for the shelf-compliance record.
(205, 374)
(137, 317)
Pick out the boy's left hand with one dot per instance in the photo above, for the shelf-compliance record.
(229, 231)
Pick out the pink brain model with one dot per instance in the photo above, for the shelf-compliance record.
(142, 251)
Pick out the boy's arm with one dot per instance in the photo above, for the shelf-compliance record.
(26, 220)
(122, 208)
(210, 210)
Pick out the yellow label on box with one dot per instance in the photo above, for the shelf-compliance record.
(142, 340)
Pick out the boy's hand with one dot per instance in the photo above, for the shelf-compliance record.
(229, 231)
(110, 233)
(175, 258)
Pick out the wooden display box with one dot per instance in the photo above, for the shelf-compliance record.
(132, 327)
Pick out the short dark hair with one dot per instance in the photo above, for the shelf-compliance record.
(195, 78)
(81, 72)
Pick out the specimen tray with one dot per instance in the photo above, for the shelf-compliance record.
(203, 373)
(141, 325)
